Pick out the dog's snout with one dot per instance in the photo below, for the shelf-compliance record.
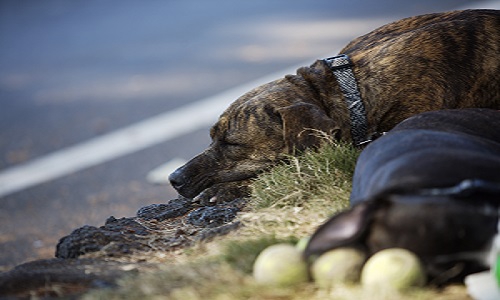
(177, 179)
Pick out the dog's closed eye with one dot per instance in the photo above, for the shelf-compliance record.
(230, 141)
(230, 144)
(233, 150)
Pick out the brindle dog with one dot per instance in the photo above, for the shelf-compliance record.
(418, 64)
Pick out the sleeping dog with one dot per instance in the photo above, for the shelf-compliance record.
(430, 62)
(432, 186)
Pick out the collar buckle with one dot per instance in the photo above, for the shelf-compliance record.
(339, 62)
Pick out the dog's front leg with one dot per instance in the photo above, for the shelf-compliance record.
(224, 192)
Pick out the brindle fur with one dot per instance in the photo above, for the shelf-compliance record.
(424, 63)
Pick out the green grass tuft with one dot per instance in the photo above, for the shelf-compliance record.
(316, 176)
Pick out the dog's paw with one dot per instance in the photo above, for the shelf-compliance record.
(223, 192)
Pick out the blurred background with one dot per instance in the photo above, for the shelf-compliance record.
(76, 72)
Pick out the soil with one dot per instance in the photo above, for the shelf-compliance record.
(97, 256)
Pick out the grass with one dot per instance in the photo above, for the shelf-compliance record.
(287, 203)
(314, 178)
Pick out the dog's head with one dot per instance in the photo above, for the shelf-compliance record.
(255, 132)
(450, 235)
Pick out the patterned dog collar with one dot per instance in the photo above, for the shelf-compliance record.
(341, 67)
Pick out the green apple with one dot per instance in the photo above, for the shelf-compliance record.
(393, 268)
(338, 266)
(280, 264)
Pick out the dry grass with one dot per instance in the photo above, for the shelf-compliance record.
(315, 178)
(214, 279)
(288, 203)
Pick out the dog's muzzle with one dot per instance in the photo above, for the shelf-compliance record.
(178, 180)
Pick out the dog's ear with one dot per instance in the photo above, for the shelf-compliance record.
(305, 125)
(344, 229)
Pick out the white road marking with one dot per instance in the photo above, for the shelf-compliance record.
(127, 140)
(159, 175)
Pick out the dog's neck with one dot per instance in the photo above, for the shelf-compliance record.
(341, 67)
(327, 93)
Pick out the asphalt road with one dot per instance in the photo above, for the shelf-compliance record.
(73, 71)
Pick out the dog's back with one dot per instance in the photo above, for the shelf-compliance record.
(431, 62)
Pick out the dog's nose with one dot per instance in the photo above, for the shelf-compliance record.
(177, 179)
